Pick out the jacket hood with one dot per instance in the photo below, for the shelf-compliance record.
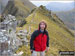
(40, 24)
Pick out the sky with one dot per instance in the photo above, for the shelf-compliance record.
(38, 3)
(56, 5)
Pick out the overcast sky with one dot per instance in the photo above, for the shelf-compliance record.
(38, 3)
(56, 5)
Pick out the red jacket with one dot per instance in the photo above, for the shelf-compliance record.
(39, 40)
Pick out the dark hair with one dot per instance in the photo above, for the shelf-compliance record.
(45, 26)
(44, 23)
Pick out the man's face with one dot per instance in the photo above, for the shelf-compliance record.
(42, 26)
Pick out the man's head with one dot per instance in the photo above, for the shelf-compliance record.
(42, 25)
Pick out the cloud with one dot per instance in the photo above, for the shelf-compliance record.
(38, 3)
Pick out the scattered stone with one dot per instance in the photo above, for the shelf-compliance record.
(8, 37)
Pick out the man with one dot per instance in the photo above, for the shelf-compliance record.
(39, 41)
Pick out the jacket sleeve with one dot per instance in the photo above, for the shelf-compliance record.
(47, 44)
(32, 39)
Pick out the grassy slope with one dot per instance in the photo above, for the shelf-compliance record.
(23, 10)
(21, 6)
(18, 8)
(60, 39)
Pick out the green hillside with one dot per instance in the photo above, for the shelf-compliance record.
(19, 8)
(61, 38)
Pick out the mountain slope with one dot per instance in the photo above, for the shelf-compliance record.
(23, 6)
(19, 8)
(61, 39)
(59, 6)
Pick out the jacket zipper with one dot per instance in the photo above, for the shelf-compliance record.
(41, 42)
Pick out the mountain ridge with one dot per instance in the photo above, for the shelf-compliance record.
(19, 9)
(60, 38)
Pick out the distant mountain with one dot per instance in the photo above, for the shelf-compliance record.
(59, 6)
(65, 11)
(3, 3)
(68, 18)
